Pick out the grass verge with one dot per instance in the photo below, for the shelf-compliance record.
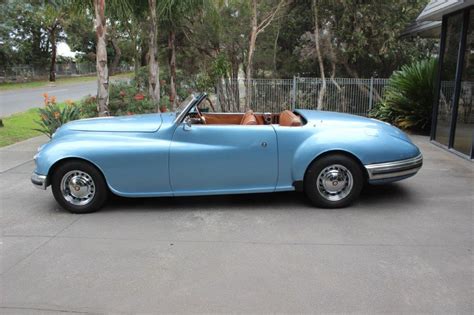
(19, 127)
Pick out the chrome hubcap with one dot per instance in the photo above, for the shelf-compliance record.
(77, 187)
(335, 182)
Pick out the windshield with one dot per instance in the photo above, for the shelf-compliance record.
(184, 104)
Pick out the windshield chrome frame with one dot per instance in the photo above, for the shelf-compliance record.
(194, 102)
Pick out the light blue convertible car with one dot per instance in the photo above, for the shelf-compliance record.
(329, 156)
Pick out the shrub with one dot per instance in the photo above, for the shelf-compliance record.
(140, 81)
(409, 97)
(53, 116)
(127, 99)
(88, 107)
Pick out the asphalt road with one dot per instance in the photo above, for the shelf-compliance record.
(19, 100)
(402, 248)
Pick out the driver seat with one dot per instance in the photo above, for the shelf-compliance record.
(289, 119)
(249, 118)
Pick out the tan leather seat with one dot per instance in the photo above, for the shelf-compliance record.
(287, 118)
(249, 118)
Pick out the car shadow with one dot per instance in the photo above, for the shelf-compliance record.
(370, 195)
(388, 193)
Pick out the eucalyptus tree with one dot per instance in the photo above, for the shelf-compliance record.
(261, 17)
(177, 17)
(120, 8)
(154, 79)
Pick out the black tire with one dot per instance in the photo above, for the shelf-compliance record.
(98, 186)
(344, 170)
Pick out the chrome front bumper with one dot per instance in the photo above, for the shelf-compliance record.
(39, 181)
(395, 169)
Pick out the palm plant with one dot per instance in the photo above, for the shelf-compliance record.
(409, 96)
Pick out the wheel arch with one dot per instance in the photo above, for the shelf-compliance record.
(62, 161)
(341, 152)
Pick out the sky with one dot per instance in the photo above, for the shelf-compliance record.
(64, 50)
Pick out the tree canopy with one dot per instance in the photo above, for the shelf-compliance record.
(199, 41)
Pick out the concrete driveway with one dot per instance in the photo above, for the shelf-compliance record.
(405, 247)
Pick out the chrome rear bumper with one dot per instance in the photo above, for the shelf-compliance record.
(39, 181)
(401, 168)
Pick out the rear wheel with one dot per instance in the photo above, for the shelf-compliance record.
(333, 181)
(79, 187)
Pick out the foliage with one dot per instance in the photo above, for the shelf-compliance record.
(21, 36)
(18, 127)
(140, 80)
(365, 36)
(125, 99)
(361, 38)
(53, 116)
(409, 96)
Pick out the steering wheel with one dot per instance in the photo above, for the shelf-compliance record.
(201, 117)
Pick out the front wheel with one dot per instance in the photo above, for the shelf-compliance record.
(333, 181)
(79, 187)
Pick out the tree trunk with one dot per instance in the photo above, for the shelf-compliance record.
(322, 90)
(101, 58)
(172, 66)
(52, 69)
(136, 58)
(252, 41)
(154, 81)
(235, 83)
(118, 54)
(275, 48)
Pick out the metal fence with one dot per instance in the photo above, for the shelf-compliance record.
(25, 73)
(348, 95)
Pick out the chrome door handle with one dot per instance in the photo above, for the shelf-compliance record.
(264, 144)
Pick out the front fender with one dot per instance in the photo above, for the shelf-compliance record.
(133, 165)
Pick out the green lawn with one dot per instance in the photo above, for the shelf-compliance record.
(59, 81)
(19, 127)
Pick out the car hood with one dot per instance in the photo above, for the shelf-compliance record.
(345, 121)
(133, 123)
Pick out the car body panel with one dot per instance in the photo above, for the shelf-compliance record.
(231, 157)
(131, 123)
(156, 155)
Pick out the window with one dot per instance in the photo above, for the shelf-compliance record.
(465, 119)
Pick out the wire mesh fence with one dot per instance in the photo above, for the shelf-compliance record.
(347, 95)
(25, 73)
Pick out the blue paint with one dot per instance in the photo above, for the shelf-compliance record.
(153, 155)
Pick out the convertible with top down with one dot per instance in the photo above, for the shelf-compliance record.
(329, 156)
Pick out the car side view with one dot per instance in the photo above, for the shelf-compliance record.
(329, 156)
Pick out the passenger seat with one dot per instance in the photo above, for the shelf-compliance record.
(249, 118)
(287, 118)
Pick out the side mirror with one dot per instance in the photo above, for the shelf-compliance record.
(187, 124)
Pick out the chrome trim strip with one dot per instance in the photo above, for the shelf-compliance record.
(39, 181)
(395, 168)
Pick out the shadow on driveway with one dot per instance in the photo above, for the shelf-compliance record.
(371, 194)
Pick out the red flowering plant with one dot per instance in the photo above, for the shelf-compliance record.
(139, 97)
(128, 99)
(53, 115)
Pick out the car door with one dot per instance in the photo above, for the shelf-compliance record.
(213, 159)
